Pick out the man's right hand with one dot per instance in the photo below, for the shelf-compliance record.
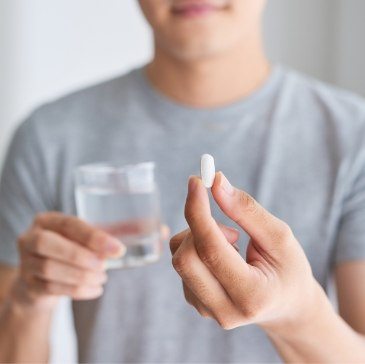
(62, 256)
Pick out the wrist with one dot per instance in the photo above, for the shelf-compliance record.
(313, 316)
(321, 335)
(22, 302)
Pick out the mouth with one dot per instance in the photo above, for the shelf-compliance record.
(197, 8)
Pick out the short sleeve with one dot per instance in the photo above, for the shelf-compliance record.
(350, 242)
(23, 189)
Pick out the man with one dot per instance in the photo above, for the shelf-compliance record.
(294, 144)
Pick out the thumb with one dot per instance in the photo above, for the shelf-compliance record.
(266, 229)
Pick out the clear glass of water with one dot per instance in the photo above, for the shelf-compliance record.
(123, 201)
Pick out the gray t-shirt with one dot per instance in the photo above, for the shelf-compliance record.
(297, 145)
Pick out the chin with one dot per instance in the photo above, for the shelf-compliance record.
(199, 47)
(195, 54)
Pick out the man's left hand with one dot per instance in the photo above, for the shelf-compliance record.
(273, 287)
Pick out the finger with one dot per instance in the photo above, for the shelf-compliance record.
(51, 245)
(130, 227)
(177, 239)
(212, 246)
(261, 225)
(59, 289)
(79, 231)
(231, 234)
(54, 271)
(193, 300)
(203, 284)
(165, 232)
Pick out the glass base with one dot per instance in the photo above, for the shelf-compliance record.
(130, 261)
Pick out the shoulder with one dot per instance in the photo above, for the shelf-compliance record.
(341, 106)
(337, 114)
(82, 107)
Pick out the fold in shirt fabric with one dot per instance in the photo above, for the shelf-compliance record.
(297, 145)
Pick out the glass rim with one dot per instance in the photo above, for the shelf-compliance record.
(113, 168)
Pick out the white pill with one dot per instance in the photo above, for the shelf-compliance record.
(207, 170)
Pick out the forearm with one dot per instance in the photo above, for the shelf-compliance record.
(324, 338)
(24, 333)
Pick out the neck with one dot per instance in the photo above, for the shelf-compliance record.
(211, 82)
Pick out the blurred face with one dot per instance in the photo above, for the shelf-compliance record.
(195, 29)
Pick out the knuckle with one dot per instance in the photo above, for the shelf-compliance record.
(189, 300)
(283, 233)
(205, 314)
(177, 240)
(39, 238)
(248, 202)
(39, 218)
(250, 311)
(45, 268)
(42, 218)
(287, 232)
(48, 287)
(209, 255)
(21, 241)
(179, 263)
(226, 323)
(73, 256)
(190, 303)
(202, 311)
(66, 223)
(40, 235)
(174, 241)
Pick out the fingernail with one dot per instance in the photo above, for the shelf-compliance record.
(165, 232)
(230, 228)
(192, 184)
(98, 292)
(225, 185)
(96, 263)
(104, 278)
(232, 232)
(235, 245)
(114, 247)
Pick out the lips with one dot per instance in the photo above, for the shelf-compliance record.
(192, 8)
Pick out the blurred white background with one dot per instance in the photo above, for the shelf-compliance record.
(49, 47)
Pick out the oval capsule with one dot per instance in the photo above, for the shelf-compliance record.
(207, 170)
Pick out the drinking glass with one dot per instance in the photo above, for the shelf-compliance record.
(123, 201)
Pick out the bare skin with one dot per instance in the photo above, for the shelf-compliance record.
(201, 61)
(207, 61)
(273, 288)
(60, 255)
